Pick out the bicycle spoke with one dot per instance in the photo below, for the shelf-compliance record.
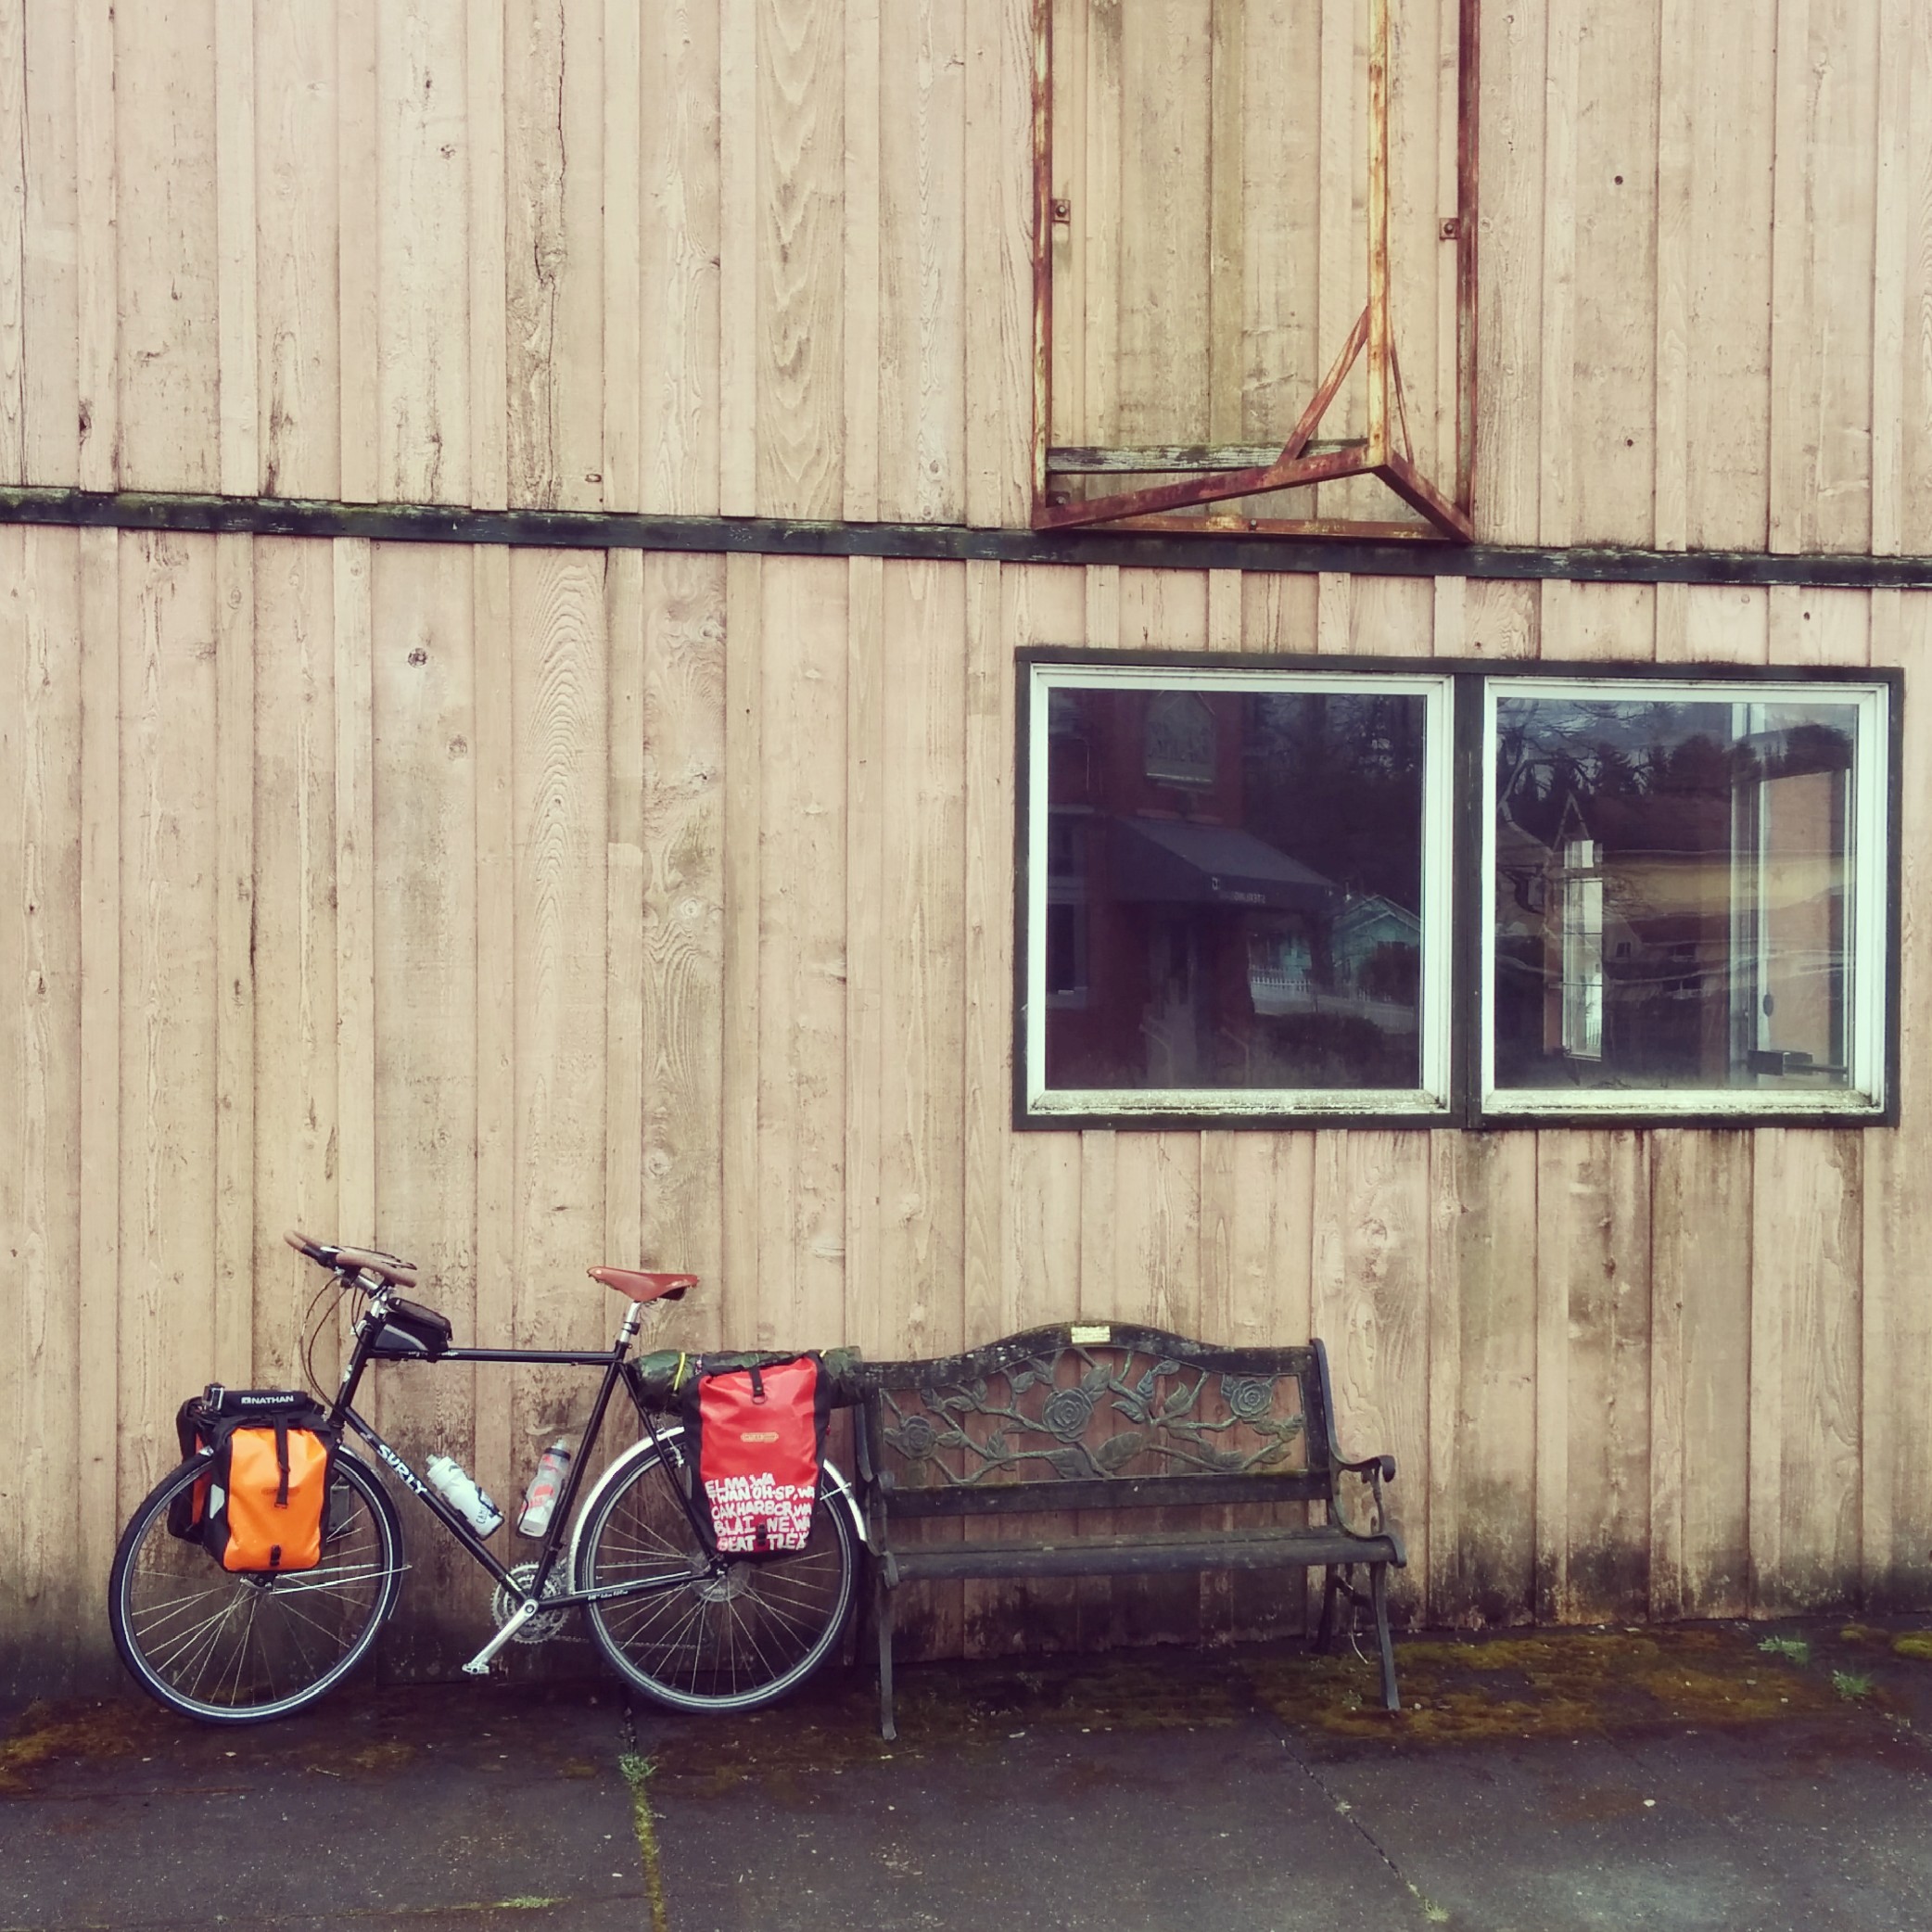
(205, 1634)
(155, 1618)
(249, 1638)
(654, 1609)
(294, 1615)
(205, 1655)
(306, 1581)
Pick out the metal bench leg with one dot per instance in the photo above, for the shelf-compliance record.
(881, 1618)
(1379, 1590)
(1325, 1633)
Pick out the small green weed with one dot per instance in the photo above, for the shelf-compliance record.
(1851, 1685)
(1794, 1650)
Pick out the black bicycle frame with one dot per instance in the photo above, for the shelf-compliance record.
(617, 1368)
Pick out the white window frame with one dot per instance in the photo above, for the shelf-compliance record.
(1867, 918)
(1433, 1099)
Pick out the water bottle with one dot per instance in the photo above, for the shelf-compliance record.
(459, 1490)
(540, 1498)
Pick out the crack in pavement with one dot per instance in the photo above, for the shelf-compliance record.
(637, 1770)
(1432, 1913)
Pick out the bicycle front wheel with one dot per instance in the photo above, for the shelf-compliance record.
(236, 1649)
(719, 1634)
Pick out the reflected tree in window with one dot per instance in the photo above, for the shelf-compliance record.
(1670, 891)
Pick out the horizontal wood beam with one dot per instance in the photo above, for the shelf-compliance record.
(767, 536)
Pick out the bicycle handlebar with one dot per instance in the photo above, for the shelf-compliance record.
(388, 1269)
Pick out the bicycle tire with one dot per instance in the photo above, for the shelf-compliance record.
(240, 1649)
(737, 1634)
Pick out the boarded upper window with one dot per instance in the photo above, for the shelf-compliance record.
(1257, 266)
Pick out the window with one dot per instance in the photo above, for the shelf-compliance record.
(1237, 892)
(1688, 897)
(1238, 896)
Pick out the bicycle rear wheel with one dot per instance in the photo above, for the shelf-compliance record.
(237, 1649)
(722, 1633)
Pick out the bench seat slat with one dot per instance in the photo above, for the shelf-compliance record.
(1037, 1497)
(1124, 1555)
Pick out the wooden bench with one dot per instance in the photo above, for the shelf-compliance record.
(1121, 1419)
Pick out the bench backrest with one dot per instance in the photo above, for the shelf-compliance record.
(1099, 1416)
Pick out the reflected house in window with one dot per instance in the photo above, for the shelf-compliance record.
(1232, 879)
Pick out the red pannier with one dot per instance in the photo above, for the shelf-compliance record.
(760, 1431)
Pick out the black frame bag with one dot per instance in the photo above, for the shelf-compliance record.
(262, 1503)
(760, 1434)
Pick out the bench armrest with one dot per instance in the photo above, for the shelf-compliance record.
(1375, 1471)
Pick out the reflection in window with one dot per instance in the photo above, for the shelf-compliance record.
(1181, 738)
(1234, 889)
(1675, 880)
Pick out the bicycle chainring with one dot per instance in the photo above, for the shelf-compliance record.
(545, 1624)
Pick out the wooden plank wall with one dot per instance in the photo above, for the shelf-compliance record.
(772, 256)
(520, 910)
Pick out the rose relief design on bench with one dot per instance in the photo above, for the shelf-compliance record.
(1116, 1417)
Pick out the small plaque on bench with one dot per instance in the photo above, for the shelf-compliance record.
(1089, 1334)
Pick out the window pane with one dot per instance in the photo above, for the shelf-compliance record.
(1233, 896)
(1674, 891)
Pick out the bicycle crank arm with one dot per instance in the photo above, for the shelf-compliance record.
(478, 1666)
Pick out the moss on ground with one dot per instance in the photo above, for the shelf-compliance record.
(1561, 1684)
(48, 1733)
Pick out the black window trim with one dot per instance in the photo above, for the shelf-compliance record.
(1470, 682)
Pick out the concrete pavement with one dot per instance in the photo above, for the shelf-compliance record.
(1685, 1778)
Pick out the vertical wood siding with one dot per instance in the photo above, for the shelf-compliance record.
(522, 910)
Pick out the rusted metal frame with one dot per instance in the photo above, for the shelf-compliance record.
(1468, 97)
(1291, 470)
(1402, 404)
(1310, 418)
(1341, 528)
(1042, 242)
(1378, 329)
(1419, 493)
(1350, 460)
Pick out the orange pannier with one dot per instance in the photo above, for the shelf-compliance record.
(263, 1504)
